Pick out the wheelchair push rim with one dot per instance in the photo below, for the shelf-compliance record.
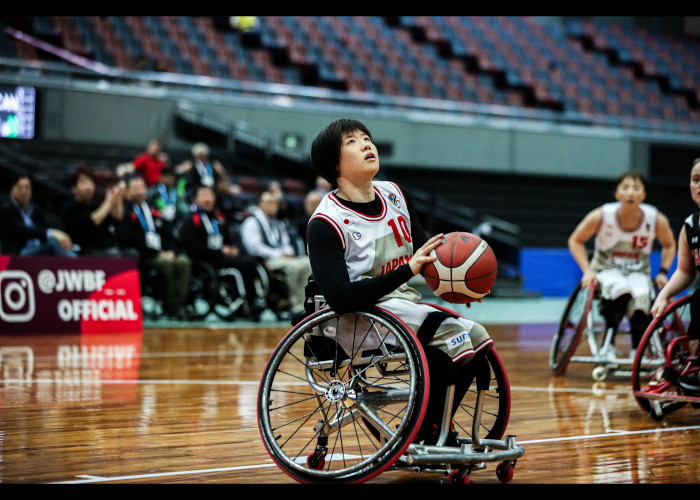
(570, 328)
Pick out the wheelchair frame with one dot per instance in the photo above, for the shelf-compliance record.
(582, 315)
(343, 397)
(665, 354)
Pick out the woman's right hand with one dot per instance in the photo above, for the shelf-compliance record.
(588, 278)
(658, 306)
(422, 255)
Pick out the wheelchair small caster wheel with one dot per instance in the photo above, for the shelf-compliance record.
(504, 471)
(315, 461)
(459, 476)
(656, 412)
(600, 373)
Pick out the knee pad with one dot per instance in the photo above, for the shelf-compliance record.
(639, 322)
(614, 310)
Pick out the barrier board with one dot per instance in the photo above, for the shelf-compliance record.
(64, 295)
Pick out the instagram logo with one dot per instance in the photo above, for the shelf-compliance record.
(16, 296)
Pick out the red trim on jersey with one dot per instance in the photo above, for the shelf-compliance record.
(333, 225)
(334, 198)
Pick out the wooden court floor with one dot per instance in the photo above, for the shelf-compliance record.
(178, 405)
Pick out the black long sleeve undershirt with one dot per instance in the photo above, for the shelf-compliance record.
(331, 274)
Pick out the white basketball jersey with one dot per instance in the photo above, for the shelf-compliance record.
(373, 244)
(625, 250)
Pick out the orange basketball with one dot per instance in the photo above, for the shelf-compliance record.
(464, 271)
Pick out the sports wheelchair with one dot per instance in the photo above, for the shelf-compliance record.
(343, 396)
(665, 356)
(583, 314)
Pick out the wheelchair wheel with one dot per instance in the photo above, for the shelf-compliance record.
(203, 290)
(571, 326)
(230, 295)
(495, 411)
(332, 383)
(664, 354)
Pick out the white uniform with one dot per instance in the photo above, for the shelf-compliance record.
(377, 244)
(621, 258)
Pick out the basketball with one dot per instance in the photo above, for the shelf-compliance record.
(464, 271)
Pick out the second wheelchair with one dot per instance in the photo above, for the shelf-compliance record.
(584, 318)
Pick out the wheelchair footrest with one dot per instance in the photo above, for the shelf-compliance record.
(422, 455)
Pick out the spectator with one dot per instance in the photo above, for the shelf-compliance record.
(207, 237)
(91, 224)
(168, 196)
(233, 204)
(144, 229)
(268, 238)
(311, 202)
(151, 163)
(24, 231)
(201, 169)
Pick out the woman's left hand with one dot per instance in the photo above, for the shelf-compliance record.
(422, 255)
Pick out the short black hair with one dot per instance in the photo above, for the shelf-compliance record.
(325, 149)
(18, 177)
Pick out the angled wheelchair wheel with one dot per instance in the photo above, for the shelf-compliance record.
(571, 327)
(495, 411)
(342, 396)
(203, 290)
(230, 300)
(665, 354)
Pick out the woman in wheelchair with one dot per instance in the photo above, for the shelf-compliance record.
(686, 271)
(365, 242)
(625, 231)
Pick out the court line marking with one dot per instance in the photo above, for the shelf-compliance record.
(612, 433)
(85, 479)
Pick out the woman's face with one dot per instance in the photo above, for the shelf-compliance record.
(695, 183)
(359, 160)
(84, 189)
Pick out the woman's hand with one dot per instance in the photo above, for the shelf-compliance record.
(422, 255)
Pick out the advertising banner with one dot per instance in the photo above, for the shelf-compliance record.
(64, 295)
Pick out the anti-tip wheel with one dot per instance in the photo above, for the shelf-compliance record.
(459, 476)
(600, 373)
(505, 471)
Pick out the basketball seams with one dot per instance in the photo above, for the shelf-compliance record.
(475, 255)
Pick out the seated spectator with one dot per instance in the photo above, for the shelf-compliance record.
(311, 201)
(168, 196)
(201, 169)
(268, 238)
(231, 202)
(207, 237)
(24, 231)
(144, 229)
(151, 163)
(91, 224)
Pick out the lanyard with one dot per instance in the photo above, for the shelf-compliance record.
(211, 228)
(168, 196)
(204, 170)
(144, 216)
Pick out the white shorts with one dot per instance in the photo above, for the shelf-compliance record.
(614, 283)
(459, 337)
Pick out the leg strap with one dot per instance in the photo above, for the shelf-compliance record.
(427, 330)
